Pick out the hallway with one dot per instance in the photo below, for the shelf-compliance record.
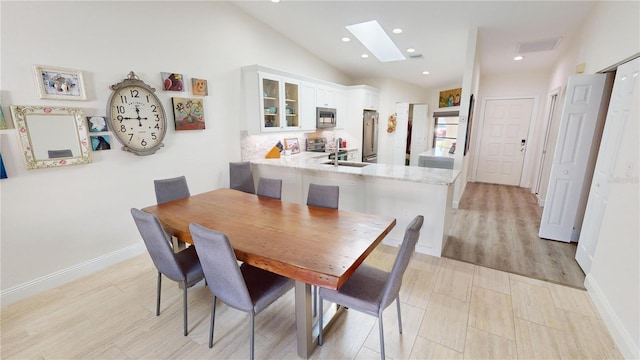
(497, 226)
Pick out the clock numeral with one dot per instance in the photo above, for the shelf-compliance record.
(157, 117)
(157, 126)
(134, 93)
(130, 137)
(147, 99)
(143, 142)
(123, 99)
(123, 128)
(153, 136)
(120, 109)
(154, 108)
(119, 118)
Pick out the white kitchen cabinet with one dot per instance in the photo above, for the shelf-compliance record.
(279, 105)
(307, 106)
(325, 96)
(340, 104)
(371, 100)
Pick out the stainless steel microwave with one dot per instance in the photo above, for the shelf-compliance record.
(325, 117)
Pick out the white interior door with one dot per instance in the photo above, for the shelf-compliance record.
(578, 122)
(400, 139)
(623, 104)
(418, 132)
(503, 142)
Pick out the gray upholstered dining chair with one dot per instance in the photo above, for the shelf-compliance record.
(270, 187)
(241, 177)
(183, 267)
(245, 287)
(171, 189)
(168, 190)
(326, 196)
(371, 290)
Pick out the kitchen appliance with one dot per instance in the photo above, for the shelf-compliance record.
(370, 136)
(319, 144)
(325, 117)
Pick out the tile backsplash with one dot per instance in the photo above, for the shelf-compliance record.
(257, 146)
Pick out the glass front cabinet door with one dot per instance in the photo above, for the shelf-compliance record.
(279, 103)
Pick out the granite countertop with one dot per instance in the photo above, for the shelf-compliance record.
(314, 161)
(438, 152)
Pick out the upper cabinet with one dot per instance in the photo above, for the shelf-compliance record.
(325, 96)
(280, 105)
(371, 99)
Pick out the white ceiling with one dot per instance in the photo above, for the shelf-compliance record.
(436, 29)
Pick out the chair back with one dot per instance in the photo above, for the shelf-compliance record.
(270, 188)
(411, 236)
(326, 196)
(157, 242)
(241, 177)
(171, 189)
(220, 267)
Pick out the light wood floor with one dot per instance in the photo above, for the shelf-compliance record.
(450, 309)
(497, 226)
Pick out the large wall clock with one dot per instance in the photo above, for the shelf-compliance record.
(136, 116)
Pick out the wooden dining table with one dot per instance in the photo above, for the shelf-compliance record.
(311, 245)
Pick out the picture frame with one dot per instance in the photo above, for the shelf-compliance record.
(188, 113)
(199, 87)
(450, 98)
(292, 145)
(100, 142)
(97, 123)
(58, 83)
(172, 81)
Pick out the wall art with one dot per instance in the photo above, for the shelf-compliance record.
(188, 113)
(100, 142)
(59, 83)
(450, 98)
(172, 82)
(199, 87)
(97, 123)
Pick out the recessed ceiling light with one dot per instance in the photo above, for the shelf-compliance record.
(518, 57)
(376, 40)
(364, 56)
(346, 39)
(411, 50)
(425, 73)
(275, 1)
(397, 31)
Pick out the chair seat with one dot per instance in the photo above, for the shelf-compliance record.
(188, 261)
(362, 291)
(264, 286)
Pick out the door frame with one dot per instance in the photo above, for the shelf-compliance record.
(546, 142)
(525, 176)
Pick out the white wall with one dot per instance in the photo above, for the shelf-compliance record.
(62, 222)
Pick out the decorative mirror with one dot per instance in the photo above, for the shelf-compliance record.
(51, 136)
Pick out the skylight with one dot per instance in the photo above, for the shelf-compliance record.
(376, 40)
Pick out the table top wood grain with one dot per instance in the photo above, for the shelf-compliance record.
(314, 245)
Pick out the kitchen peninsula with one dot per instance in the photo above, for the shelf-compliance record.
(391, 190)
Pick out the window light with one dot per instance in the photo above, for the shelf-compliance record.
(376, 40)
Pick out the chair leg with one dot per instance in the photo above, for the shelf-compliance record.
(158, 296)
(381, 334)
(253, 331)
(184, 310)
(320, 322)
(213, 319)
(399, 314)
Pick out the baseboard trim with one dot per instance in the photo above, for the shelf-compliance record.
(620, 335)
(63, 276)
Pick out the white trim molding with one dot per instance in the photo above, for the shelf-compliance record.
(620, 335)
(71, 273)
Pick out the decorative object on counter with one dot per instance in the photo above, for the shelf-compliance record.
(292, 145)
(199, 87)
(97, 123)
(391, 123)
(59, 83)
(188, 113)
(469, 120)
(449, 98)
(43, 129)
(280, 146)
(3, 172)
(172, 82)
(274, 153)
(100, 142)
(136, 116)
(3, 123)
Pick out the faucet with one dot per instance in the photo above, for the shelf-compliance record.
(337, 150)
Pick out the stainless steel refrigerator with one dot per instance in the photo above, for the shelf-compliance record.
(370, 136)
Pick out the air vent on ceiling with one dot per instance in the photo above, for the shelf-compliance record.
(535, 46)
(416, 57)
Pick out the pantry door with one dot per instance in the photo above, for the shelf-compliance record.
(503, 140)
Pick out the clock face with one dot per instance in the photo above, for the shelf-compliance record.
(137, 119)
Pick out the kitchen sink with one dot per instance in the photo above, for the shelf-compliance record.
(346, 163)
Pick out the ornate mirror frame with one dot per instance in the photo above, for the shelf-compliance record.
(51, 136)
